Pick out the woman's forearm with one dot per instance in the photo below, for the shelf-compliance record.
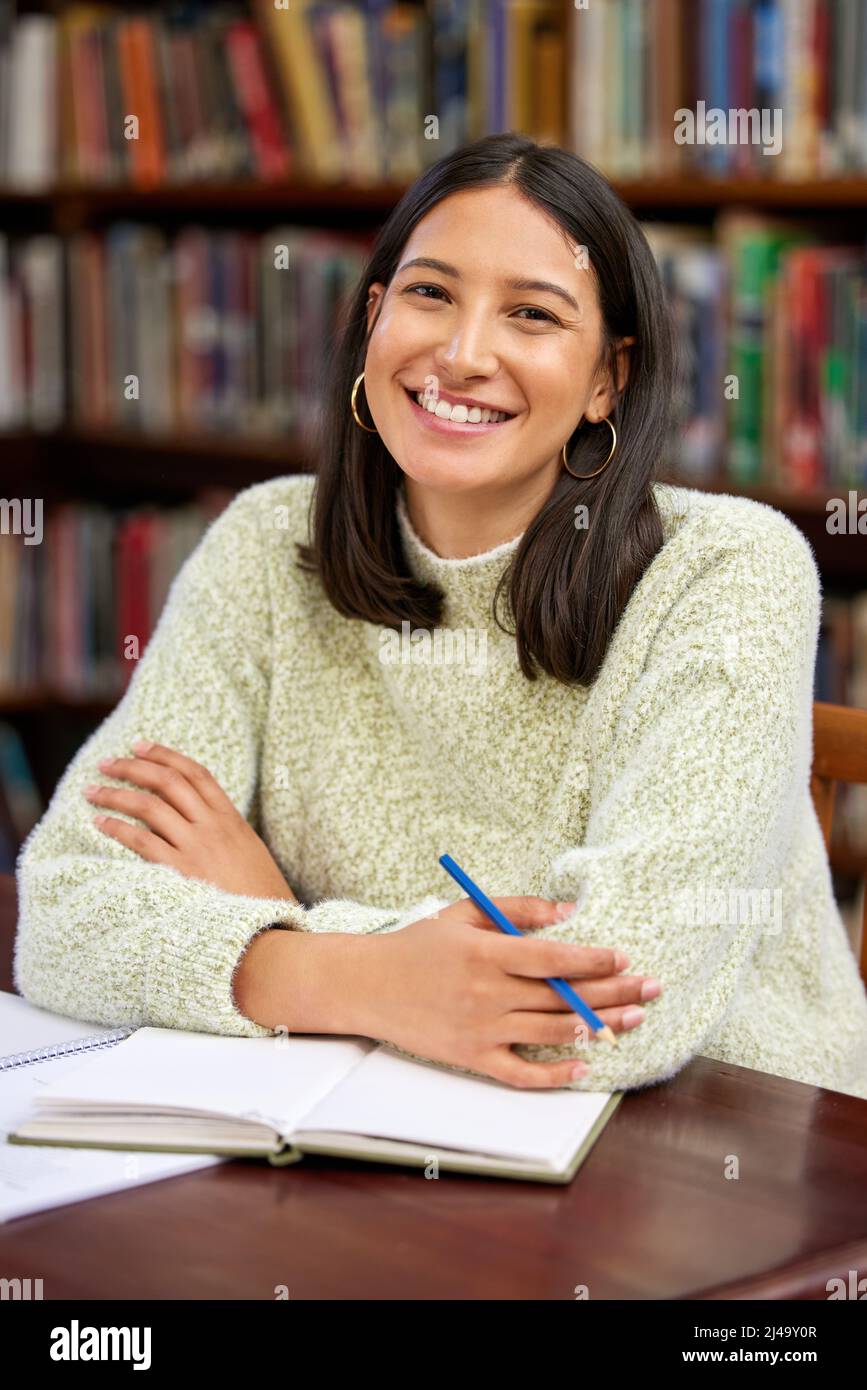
(305, 982)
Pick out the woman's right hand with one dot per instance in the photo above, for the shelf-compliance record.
(454, 988)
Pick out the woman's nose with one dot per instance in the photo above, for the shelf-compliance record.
(468, 352)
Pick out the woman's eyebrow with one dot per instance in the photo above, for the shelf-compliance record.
(430, 263)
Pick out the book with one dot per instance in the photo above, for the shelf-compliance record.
(279, 1098)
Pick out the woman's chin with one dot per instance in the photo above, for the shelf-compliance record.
(458, 475)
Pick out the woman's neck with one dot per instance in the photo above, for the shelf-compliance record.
(459, 525)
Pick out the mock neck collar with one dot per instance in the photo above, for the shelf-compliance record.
(468, 583)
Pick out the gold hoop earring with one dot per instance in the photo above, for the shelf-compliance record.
(583, 476)
(358, 419)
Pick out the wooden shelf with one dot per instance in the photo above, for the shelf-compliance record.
(72, 461)
(41, 699)
(701, 191)
(69, 205)
(687, 190)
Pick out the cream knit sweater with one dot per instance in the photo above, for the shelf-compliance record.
(671, 799)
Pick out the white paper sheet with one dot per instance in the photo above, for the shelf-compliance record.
(396, 1098)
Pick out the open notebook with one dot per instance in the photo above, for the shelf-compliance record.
(281, 1097)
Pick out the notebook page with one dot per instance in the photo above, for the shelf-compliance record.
(37, 1179)
(272, 1080)
(394, 1098)
(24, 1027)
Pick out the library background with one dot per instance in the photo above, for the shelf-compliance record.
(155, 357)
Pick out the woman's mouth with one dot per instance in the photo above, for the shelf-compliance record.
(446, 418)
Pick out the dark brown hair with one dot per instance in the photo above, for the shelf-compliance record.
(567, 587)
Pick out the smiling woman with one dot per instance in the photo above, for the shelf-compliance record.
(635, 740)
(510, 278)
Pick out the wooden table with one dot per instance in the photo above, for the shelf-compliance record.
(650, 1215)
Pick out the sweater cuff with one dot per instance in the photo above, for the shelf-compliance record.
(190, 974)
(347, 915)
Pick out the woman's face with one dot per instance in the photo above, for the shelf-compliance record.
(460, 329)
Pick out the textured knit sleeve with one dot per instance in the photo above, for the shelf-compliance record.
(106, 936)
(706, 766)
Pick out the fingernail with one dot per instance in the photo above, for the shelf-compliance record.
(580, 1069)
(91, 791)
(650, 989)
(142, 745)
(632, 1016)
(563, 909)
(105, 762)
(621, 960)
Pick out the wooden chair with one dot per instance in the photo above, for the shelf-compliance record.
(839, 755)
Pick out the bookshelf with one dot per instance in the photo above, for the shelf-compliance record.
(79, 461)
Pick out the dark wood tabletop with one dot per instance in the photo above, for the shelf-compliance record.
(651, 1213)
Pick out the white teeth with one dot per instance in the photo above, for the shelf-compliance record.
(460, 414)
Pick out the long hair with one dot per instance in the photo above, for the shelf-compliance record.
(566, 587)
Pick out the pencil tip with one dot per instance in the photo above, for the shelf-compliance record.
(608, 1034)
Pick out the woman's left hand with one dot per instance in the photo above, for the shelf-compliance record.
(189, 822)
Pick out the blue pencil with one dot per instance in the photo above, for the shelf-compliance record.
(565, 991)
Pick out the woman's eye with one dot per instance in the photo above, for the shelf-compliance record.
(529, 309)
(413, 289)
(545, 316)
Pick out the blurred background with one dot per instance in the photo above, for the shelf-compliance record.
(187, 193)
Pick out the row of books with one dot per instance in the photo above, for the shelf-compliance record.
(358, 92)
(207, 330)
(369, 90)
(773, 328)
(82, 587)
(230, 332)
(762, 88)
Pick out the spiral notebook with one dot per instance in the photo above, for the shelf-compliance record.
(64, 1049)
(38, 1048)
(30, 1035)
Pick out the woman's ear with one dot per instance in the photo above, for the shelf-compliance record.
(601, 403)
(624, 359)
(374, 297)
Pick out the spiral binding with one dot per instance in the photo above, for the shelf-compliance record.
(67, 1049)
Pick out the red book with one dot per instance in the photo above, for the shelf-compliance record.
(133, 592)
(256, 100)
(802, 463)
(740, 44)
(139, 84)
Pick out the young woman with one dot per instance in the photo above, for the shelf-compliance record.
(495, 636)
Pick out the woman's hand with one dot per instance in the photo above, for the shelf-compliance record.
(444, 989)
(189, 822)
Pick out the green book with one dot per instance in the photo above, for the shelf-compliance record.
(279, 1098)
(755, 250)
